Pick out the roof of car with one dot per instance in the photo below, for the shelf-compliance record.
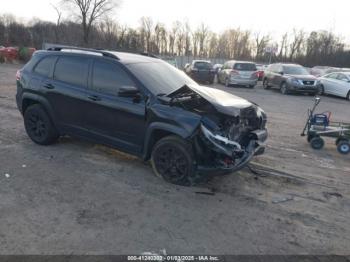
(201, 61)
(289, 64)
(237, 61)
(124, 57)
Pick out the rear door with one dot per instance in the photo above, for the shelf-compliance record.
(271, 74)
(278, 76)
(112, 119)
(66, 92)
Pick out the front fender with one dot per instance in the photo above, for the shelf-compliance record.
(165, 128)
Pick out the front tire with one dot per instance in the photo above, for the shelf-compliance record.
(284, 89)
(321, 90)
(39, 126)
(227, 83)
(172, 159)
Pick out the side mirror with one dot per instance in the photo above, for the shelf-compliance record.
(128, 91)
(281, 73)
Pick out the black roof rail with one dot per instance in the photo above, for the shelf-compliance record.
(102, 52)
(149, 54)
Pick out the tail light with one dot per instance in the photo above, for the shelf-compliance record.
(18, 75)
(234, 72)
(256, 74)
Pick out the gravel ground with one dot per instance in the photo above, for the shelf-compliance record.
(75, 197)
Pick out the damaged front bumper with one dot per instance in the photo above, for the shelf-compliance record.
(235, 155)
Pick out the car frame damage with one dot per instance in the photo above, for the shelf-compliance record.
(230, 131)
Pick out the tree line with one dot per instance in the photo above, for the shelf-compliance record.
(96, 29)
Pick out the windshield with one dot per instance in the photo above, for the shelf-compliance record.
(203, 65)
(295, 70)
(160, 77)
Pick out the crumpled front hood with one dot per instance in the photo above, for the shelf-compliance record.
(224, 102)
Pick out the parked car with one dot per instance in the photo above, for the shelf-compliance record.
(201, 71)
(217, 68)
(290, 78)
(337, 84)
(140, 105)
(319, 71)
(238, 73)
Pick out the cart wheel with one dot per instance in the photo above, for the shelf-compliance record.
(340, 139)
(343, 147)
(317, 143)
(310, 136)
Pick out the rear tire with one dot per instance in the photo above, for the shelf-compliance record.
(317, 143)
(348, 96)
(266, 84)
(39, 126)
(343, 147)
(172, 159)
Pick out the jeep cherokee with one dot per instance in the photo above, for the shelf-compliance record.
(141, 105)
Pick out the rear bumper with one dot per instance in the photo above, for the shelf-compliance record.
(209, 77)
(242, 81)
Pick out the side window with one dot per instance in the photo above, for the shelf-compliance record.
(108, 78)
(332, 76)
(342, 77)
(44, 67)
(72, 70)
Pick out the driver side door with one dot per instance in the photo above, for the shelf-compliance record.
(111, 118)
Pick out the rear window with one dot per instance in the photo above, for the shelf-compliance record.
(244, 67)
(203, 65)
(44, 67)
(72, 70)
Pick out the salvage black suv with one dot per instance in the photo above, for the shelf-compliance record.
(141, 105)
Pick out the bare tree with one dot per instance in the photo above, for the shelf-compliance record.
(146, 30)
(284, 47)
(58, 22)
(261, 43)
(296, 44)
(202, 32)
(89, 11)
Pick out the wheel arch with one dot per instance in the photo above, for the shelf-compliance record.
(29, 99)
(157, 131)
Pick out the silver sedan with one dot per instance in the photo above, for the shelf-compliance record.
(337, 83)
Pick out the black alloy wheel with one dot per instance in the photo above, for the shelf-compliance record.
(39, 126)
(172, 159)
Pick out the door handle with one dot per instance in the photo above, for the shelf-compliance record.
(49, 86)
(94, 98)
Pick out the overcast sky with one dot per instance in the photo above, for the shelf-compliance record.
(268, 16)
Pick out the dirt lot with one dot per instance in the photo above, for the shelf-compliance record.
(79, 198)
